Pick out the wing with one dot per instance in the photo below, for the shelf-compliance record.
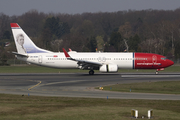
(83, 64)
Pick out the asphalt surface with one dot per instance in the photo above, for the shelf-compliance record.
(82, 85)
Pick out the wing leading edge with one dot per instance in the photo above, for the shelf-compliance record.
(83, 64)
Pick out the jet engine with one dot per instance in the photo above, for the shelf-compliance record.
(108, 68)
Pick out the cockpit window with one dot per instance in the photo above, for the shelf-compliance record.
(163, 58)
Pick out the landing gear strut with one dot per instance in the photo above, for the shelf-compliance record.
(91, 72)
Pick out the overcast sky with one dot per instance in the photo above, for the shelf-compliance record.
(18, 7)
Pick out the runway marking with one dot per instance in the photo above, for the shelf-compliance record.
(65, 90)
(75, 90)
(34, 86)
(63, 82)
(72, 81)
(149, 76)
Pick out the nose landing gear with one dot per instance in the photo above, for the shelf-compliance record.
(157, 70)
(91, 72)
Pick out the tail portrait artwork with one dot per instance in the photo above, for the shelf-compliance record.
(23, 43)
(20, 43)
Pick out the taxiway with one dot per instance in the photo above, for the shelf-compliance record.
(82, 85)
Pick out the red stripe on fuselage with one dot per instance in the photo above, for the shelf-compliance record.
(148, 61)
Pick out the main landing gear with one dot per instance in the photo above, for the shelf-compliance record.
(156, 72)
(91, 72)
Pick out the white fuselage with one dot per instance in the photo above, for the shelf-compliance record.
(58, 60)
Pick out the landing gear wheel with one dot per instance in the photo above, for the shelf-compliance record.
(91, 72)
(156, 72)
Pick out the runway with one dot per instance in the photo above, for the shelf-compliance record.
(82, 85)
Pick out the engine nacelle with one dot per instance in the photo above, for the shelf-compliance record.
(109, 68)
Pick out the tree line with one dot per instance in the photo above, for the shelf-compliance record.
(152, 31)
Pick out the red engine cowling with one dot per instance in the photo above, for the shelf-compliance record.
(108, 68)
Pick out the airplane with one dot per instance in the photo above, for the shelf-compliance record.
(106, 62)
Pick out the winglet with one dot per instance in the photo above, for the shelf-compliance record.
(66, 54)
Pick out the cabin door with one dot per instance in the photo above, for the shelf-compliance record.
(40, 59)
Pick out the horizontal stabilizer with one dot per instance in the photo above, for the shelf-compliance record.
(18, 54)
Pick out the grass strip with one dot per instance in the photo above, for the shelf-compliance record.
(36, 69)
(163, 87)
(16, 107)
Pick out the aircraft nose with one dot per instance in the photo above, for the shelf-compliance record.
(170, 62)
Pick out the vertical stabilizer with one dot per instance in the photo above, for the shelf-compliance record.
(23, 43)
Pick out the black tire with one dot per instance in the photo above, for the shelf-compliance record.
(91, 72)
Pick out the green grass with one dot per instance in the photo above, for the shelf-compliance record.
(36, 69)
(165, 87)
(16, 107)
(40, 69)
